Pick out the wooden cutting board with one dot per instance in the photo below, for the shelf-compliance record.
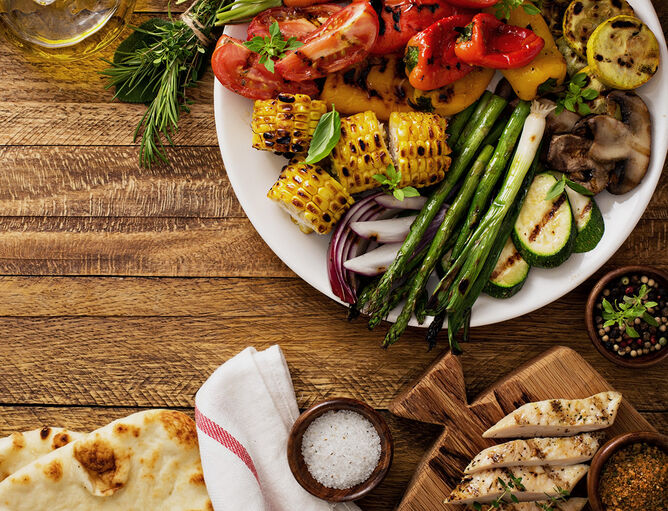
(439, 397)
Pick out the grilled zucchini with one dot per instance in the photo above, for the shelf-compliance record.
(583, 16)
(418, 147)
(455, 97)
(285, 125)
(588, 221)
(574, 62)
(360, 153)
(379, 85)
(314, 199)
(544, 233)
(510, 273)
(623, 52)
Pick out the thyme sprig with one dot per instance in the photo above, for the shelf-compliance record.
(554, 500)
(513, 483)
(624, 313)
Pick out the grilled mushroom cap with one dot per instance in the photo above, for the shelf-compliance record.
(569, 154)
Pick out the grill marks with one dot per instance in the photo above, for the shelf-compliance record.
(538, 228)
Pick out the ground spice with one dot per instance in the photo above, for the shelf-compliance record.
(635, 478)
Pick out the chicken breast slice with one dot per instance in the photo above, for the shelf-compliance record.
(484, 487)
(538, 451)
(558, 417)
(572, 504)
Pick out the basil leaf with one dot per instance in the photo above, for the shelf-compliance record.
(398, 194)
(409, 191)
(530, 8)
(556, 190)
(326, 135)
(589, 94)
(579, 188)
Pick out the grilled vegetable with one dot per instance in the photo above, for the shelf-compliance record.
(544, 232)
(509, 275)
(430, 55)
(558, 417)
(548, 65)
(313, 198)
(588, 221)
(457, 96)
(285, 125)
(553, 13)
(378, 85)
(296, 22)
(623, 52)
(360, 153)
(490, 43)
(574, 62)
(583, 16)
(417, 143)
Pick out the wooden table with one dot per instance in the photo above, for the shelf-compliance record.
(124, 288)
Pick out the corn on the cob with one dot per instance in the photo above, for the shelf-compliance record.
(417, 144)
(314, 199)
(360, 153)
(286, 124)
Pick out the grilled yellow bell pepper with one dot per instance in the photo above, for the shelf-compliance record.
(549, 64)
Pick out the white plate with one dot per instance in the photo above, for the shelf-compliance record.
(252, 173)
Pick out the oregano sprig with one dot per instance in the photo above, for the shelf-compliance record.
(625, 312)
(272, 46)
(575, 96)
(391, 179)
(560, 186)
(504, 7)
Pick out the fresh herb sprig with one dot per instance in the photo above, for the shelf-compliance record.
(272, 46)
(514, 483)
(504, 7)
(560, 186)
(624, 313)
(325, 136)
(575, 96)
(554, 500)
(391, 179)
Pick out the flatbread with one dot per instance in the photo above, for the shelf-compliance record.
(19, 449)
(147, 461)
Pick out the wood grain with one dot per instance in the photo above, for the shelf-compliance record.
(439, 397)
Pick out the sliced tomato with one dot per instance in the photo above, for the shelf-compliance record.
(473, 4)
(296, 22)
(399, 20)
(344, 40)
(238, 69)
(430, 57)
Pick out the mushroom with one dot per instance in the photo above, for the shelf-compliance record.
(602, 150)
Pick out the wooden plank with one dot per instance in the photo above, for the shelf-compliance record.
(190, 247)
(439, 397)
(107, 181)
(134, 246)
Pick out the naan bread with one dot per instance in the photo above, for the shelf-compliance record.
(19, 449)
(147, 461)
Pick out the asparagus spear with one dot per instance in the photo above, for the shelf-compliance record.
(438, 244)
(507, 138)
(484, 123)
(532, 133)
(472, 125)
(457, 124)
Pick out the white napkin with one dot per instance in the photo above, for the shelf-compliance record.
(244, 412)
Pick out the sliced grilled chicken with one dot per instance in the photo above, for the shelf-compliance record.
(538, 451)
(573, 504)
(484, 487)
(558, 417)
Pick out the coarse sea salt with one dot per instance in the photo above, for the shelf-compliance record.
(341, 449)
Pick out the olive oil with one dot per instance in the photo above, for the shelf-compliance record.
(64, 29)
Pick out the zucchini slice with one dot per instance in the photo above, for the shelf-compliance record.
(510, 273)
(588, 221)
(574, 62)
(544, 233)
(623, 52)
(583, 16)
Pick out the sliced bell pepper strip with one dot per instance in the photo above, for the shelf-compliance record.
(490, 43)
(473, 4)
(430, 55)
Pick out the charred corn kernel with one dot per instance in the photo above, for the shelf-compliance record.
(549, 64)
(286, 124)
(379, 85)
(417, 143)
(313, 198)
(360, 153)
(455, 97)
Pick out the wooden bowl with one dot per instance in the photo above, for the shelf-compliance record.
(611, 447)
(643, 361)
(298, 465)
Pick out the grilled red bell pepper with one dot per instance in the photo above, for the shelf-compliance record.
(402, 19)
(430, 55)
(473, 4)
(490, 43)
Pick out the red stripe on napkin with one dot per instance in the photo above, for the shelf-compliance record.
(213, 430)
